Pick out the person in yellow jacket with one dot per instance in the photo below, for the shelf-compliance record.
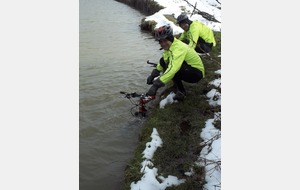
(196, 34)
(179, 63)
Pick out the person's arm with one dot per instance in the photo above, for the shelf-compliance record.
(182, 36)
(159, 67)
(174, 65)
(194, 32)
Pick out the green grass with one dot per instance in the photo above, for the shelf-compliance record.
(179, 126)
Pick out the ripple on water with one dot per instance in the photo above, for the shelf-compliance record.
(113, 55)
(87, 132)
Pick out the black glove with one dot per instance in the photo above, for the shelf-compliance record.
(156, 84)
(150, 79)
(152, 91)
(154, 73)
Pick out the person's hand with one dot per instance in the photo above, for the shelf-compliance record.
(152, 91)
(150, 79)
(158, 83)
(154, 73)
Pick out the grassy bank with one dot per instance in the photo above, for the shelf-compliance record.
(179, 126)
(147, 7)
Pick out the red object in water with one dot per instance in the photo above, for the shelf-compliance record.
(143, 101)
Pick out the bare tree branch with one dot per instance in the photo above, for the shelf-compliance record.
(204, 14)
(209, 141)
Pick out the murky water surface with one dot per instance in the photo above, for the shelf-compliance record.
(113, 55)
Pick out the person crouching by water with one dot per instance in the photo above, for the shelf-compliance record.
(179, 63)
(196, 34)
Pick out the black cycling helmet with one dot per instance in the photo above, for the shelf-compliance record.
(182, 17)
(163, 32)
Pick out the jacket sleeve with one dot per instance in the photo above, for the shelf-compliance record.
(194, 35)
(159, 67)
(182, 36)
(165, 56)
(176, 60)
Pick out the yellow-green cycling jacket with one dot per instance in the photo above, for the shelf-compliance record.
(196, 30)
(174, 57)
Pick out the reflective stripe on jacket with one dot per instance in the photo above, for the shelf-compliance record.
(196, 30)
(174, 57)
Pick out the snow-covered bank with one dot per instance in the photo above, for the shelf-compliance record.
(210, 156)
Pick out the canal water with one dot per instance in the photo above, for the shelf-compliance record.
(112, 58)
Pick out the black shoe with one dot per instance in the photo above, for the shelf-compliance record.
(179, 96)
